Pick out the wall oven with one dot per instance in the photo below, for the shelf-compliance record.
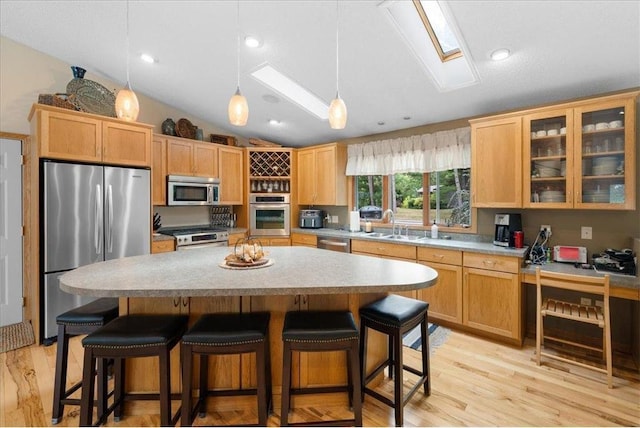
(187, 190)
(269, 214)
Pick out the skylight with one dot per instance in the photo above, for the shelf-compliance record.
(441, 34)
(272, 78)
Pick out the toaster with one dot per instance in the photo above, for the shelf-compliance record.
(564, 253)
(310, 219)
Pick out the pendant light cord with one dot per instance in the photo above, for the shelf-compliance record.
(337, 50)
(127, 45)
(238, 44)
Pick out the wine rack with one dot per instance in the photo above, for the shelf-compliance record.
(270, 164)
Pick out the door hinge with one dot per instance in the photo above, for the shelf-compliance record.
(21, 159)
(24, 302)
(23, 231)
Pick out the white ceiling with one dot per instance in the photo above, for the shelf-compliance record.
(561, 50)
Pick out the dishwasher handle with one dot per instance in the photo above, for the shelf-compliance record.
(332, 243)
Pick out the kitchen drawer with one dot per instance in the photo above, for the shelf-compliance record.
(437, 255)
(304, 239)
(492, 262)
(163, 246)
(398, 251)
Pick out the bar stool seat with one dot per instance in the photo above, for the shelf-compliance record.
(132, 336)
(82, 320)
(321, 331)
(395, 316)
(219, 334)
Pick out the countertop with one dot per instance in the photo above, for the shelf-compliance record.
(618, 280)
(296, 270)
(476, 247)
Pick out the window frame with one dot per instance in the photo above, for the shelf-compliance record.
(426, 221)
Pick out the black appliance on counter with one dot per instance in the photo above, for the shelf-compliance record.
(506, 226)
(618, 261)
(310, 219)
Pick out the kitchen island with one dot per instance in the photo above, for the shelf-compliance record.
(300, 278)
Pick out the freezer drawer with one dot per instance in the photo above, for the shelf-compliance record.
(57, 302)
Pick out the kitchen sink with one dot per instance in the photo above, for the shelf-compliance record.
(378, 235)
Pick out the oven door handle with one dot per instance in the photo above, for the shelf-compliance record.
(269, 206)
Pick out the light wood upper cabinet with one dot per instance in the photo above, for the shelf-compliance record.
(75, 136)
(179, 157)
(321, 175)
(159, 171)
(496, 162)
(231, 172)
(581, 157)
(187, 157)
(205, 160)
(125, 143)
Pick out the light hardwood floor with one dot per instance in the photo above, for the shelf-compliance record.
(474, 382)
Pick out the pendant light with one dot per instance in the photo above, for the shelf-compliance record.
(238, 107)
(127, 107)
(337, 109)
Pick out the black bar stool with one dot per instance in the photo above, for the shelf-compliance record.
(83, 320)
(395, 316)
(219, 334)
(320, 331)
(131, 336)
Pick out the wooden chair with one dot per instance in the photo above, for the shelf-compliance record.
(588, 314)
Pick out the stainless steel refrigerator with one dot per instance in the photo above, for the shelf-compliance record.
(90, 213)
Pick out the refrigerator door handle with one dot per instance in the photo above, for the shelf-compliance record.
(97, 239)
(110, 223)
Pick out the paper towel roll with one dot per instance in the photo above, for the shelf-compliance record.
(354, 221)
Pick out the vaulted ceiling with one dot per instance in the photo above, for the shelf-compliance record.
(560, 50)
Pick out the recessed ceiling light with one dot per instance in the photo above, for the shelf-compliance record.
(274, 122)
(407, 118)
(500, 54)
(253, 41)
(284, 85)
(271, 98)
(381, 123)
(147, 58)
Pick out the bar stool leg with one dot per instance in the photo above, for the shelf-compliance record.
(60, 383)
(186, 361)
(263, 410)
(204, 386)
(268, 369)
(355, 393)
(165, 387)
(396, 338)
(286, 385)
(363, 356)
(426, 370)
(86, 400)
(391, 357)
(119, 374)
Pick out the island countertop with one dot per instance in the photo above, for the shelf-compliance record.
(295, 270)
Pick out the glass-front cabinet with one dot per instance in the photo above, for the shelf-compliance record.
(548, 149)
(605, 155)
(581, 157)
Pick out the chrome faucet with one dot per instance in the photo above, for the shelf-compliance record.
(393, 220)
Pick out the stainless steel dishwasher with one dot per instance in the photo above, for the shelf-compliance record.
(334, 243)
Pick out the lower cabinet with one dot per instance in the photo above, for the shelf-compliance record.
(491, 294)
(163, 246)
(444, 298)
(304, 240)
(235, 237)
(275, 242)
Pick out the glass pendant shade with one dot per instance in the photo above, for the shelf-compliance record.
(337, 113)
(238, 109)
(127, 107)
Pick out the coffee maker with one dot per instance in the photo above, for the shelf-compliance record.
(506, 225)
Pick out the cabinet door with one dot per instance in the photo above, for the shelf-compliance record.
(325, 166)
(159, 171)
(306, 177)
(126, 144)
(205, 160)
(548, 156)
(605, 155)
(496, 158)
(235, 237)
(70, 136)
(492, 302)
(444, 298)
(304, 240)
(179, 157)
(231, 174)
(163, 246)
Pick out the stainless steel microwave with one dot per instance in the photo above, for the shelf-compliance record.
(187, 190)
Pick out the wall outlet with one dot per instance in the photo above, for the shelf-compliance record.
(546, 227)
(586, 232)
(334, 219)
(585, 301)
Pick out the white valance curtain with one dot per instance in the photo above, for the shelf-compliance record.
(439, 151)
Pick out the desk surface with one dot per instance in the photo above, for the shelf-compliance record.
(295, 270)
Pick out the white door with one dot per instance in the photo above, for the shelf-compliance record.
(10, 232)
